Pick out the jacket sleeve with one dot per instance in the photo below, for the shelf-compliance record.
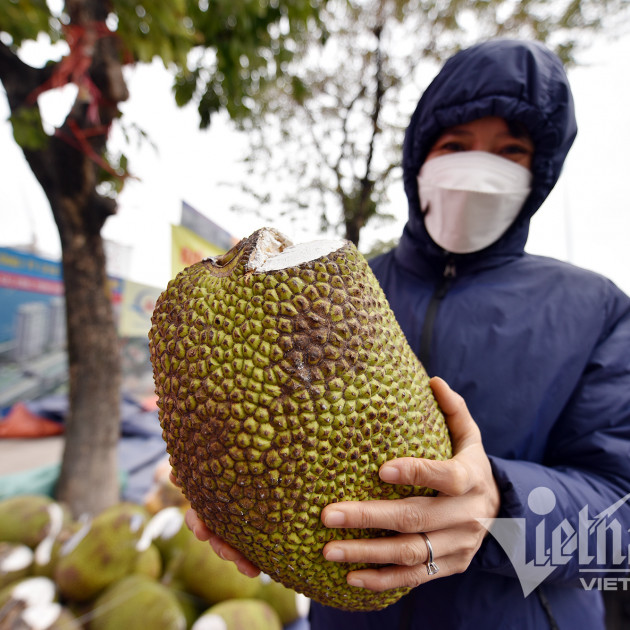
(578, 524)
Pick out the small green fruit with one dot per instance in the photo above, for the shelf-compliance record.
(16, 561)
(137, 602)
(105, 551)
(245, 614)
(289, 605)
(28, 519)
(207, 576)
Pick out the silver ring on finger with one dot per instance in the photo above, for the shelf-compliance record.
(432, 568)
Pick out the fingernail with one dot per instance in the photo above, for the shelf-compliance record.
(335, 555)
(334, 519)
(390, 474)
(354, 581)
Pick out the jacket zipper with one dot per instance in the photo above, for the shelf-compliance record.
(448, 276)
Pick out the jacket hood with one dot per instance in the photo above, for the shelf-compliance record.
(520, 81)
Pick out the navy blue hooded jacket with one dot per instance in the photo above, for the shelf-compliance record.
(540, 351)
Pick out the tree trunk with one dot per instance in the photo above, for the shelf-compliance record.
(68, 167)
(89, 479)
(353, 229)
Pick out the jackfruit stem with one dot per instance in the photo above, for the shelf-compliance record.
(269, 243)
(274, 251)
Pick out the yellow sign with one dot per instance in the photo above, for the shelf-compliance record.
(189, 248)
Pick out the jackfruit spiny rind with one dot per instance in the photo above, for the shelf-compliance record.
(281, 392)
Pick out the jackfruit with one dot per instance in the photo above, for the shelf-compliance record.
(284, 382)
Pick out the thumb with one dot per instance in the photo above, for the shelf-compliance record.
(464, 431)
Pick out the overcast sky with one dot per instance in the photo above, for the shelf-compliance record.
(585, 221)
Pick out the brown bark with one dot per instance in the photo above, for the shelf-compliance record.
(360, 207)
(88, 480)
(68, 171)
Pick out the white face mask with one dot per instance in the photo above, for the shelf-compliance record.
(471, 198)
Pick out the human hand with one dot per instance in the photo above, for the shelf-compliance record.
(467, 492)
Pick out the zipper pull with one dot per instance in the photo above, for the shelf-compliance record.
(450, 271)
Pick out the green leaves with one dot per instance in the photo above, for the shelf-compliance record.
(252, 44)
(152, 28)
(185, 86)
(26, 19)
(112, 175)
(225, 54)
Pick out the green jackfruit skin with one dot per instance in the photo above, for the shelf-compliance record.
(281, 392)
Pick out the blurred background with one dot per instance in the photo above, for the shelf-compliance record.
(585, 221)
